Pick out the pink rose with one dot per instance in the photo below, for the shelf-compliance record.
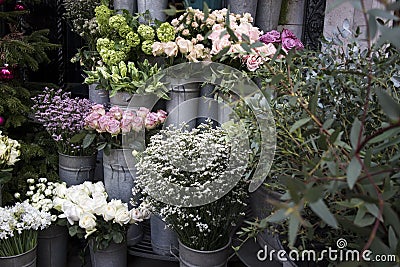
(253, 62)
(116, 112)
(99, 108)
(151, 121)
(267, 50)
(137, 124)
(142, 112)
(290, 43)
(171, 49)
(219, 44)
(271, 37)
(127, 120)
(162, 115)
(102, 122)
(92, 120)
(113, 126)
(288, 34)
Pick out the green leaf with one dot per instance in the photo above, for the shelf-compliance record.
(393, 240)
(277, 216)
(294, 225)
(374, 210)
(319, 207)
(101, 146)
(354, 133)
(88, 140)
(171, 11)
(389, 105)
(246, 47)
(385, 135)
(299, 123)
(118, 237)
(353, 171)
(72, 230)
(77, 138)
(313, 194)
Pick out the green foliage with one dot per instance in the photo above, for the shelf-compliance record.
(338, 145)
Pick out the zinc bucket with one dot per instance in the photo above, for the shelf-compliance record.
(27, 259)
(76, 169)
(52, 246)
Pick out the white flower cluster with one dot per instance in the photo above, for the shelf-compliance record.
(41, 195)
(20, 217)
(86, 204)
(9, 151)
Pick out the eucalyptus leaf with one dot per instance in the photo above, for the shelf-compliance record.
(299, 123)
(320, 208)
(353, 172)
(294, 225)
(390, 106)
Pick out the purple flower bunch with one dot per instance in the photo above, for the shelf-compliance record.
(62, 116)
(286, 38)
(117, 121)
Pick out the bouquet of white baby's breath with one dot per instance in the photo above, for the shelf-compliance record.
(18, 228)
(91, 215)
(195, 159)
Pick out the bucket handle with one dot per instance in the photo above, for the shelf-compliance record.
(117, 167)
(172, 250)
(86, 169)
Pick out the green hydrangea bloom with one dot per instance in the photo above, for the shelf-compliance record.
(132, 39)
(112, 57)
(147, 47)
(124, 30)
(146, 32)
(123, 46)
(116, 22)
(103, 13)
(104, 43)
(166, 32)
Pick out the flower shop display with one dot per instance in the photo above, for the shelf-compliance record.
(18, 233)
(9, 155)
(113, 126)
(124, 46)
(52, 241)
(104, 223)
(167, 159)
(63, 117)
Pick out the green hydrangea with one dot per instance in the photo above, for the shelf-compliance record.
(132, 39)
(147, 47)
(166, 32)
(146, 32)
(112, 57)
(123, 46)
(103, 14)
(104, 43)
(124, 30)
(116, 22)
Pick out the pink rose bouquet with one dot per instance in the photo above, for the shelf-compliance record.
(111, 125)
(287, 39)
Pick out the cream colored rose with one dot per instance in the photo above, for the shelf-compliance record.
(122, 216)
(185, 46)
(109, 212)
(171, 49)
(157, 49)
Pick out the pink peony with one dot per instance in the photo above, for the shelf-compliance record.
(271, 37)
(219, 44)
(288, 34)
(142, 112)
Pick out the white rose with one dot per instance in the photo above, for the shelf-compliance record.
(30, 181)
(60, 189)
(171, 49)
(136, 215)
(3, 148)
(109, 212)
(87, 221)
(36, 197)
(99, 188)
(42, 180)
(71, 211)
(58, 203)
(174, 22)
(99, 203)
(185, 46)
(122, 216)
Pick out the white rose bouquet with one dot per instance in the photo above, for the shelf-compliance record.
(9, 153)
(18, 228)
(90, 215)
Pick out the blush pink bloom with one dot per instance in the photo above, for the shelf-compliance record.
(151, 121)
(116, 112)
(253, 62)
(99, 108)
(103, 121)
(162, 115)
(127, 120)
(219, 44)
(137, 123)
(267, 50)
(113, 126)
(142, 112)
(290, 43)
(92, 120)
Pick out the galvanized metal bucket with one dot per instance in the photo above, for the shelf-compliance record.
(130, 5)
(134, 234)
(243, 6)
(208, 108)
(52, 246)
(189, 257)
(268, 12)
(27, 259)
(99, 170)
(98, 96)
(76, 169)
(119, 174)
(121, 99)
(114, 255)
(163, 239)
(156, 8)
(177, 111)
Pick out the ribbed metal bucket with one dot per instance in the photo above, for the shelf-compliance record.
(76, 169)
(268, 12)
(52, 246)
(99, 170)
(243, 6)
(130, 5)
(134, 234)
(98, 96)
(115, 255)
(207, 109)
(27, 259)
(121, 99)
(119, 174)
(156, 8)
(189, 257)
(163, 239)
(179, 112)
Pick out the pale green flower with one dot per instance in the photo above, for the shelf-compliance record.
(147, 32)
(166, 32)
